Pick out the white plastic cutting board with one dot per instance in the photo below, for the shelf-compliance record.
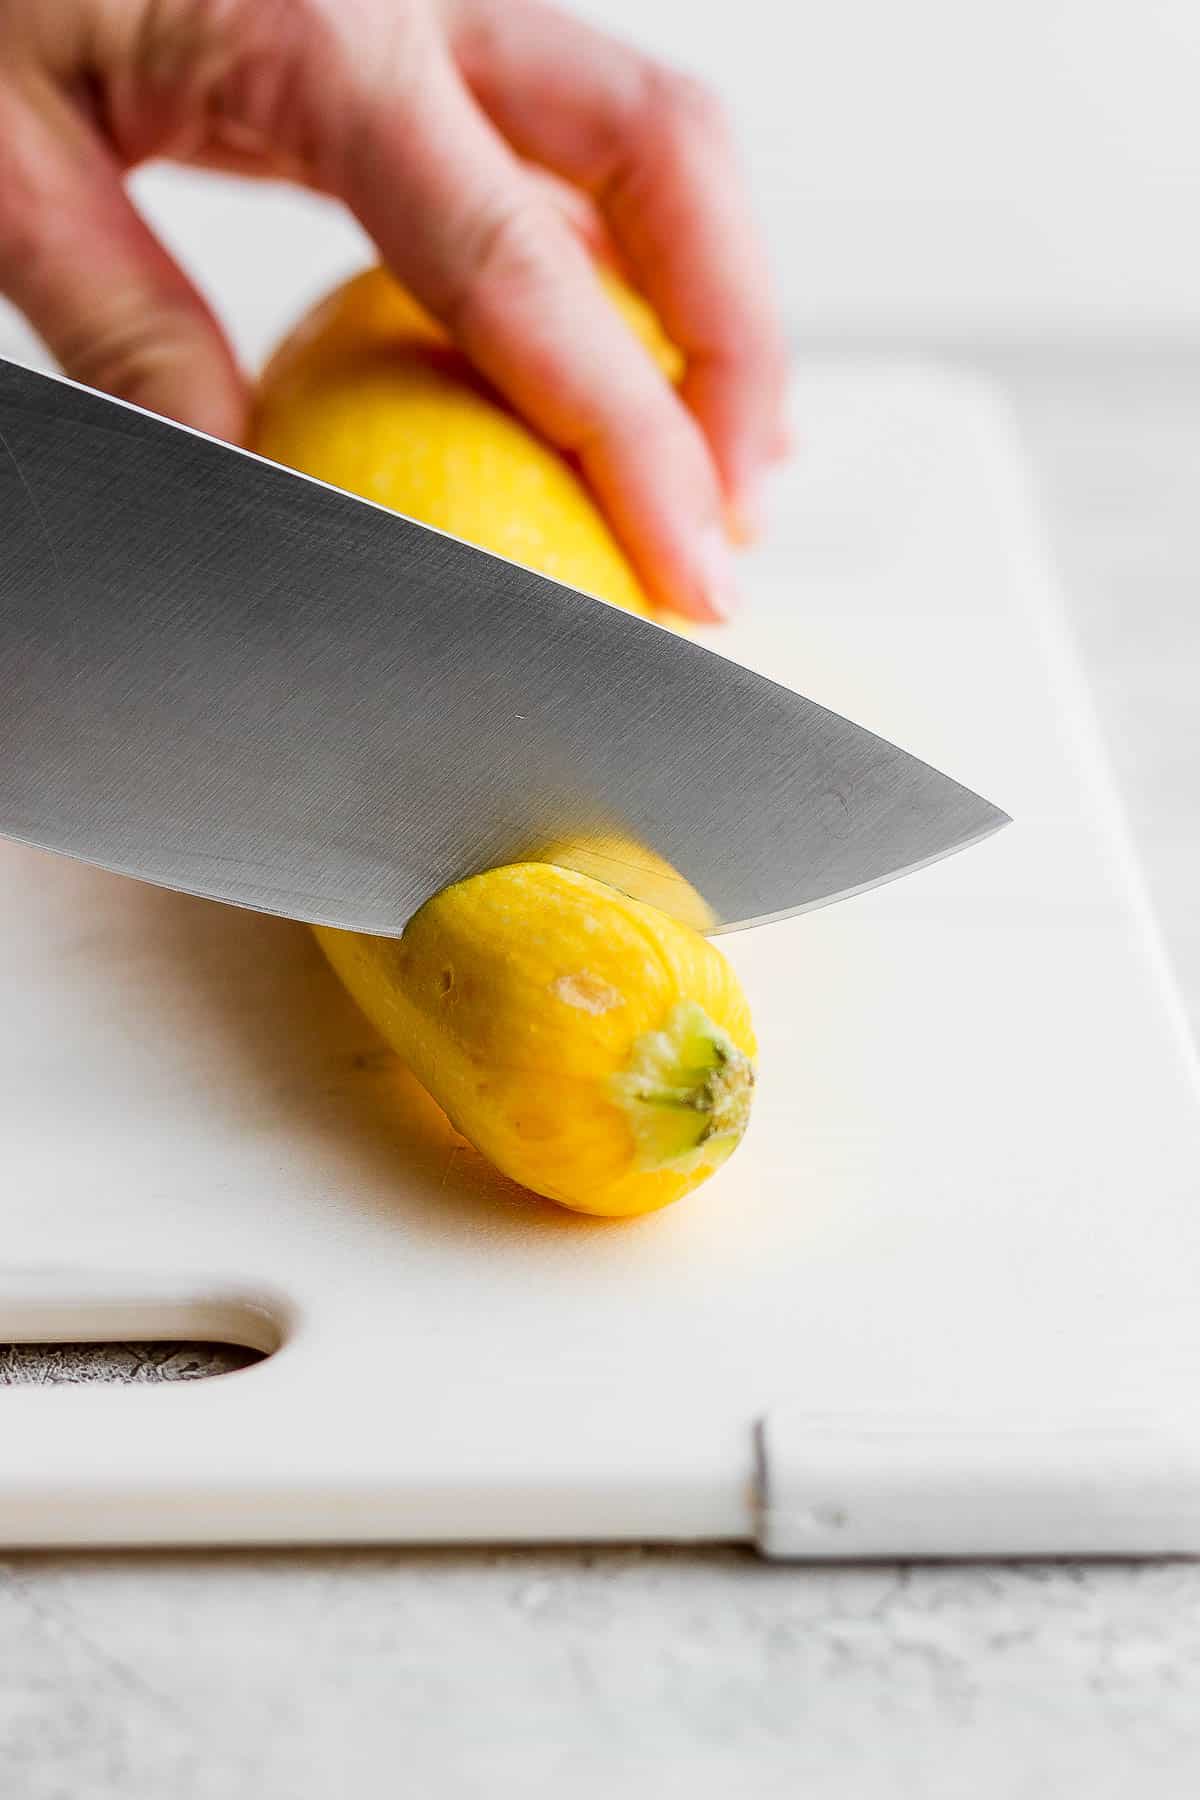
(943, 1300)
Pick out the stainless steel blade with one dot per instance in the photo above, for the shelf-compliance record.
(223, 677)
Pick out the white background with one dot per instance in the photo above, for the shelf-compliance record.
(962, 165)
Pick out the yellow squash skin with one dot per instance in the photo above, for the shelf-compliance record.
(593, 1049)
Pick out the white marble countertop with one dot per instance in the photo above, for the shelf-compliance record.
(317, 1675)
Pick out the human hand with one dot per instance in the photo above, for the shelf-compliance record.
(429, 119)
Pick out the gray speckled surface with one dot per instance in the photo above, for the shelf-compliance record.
(371, 1674)
(318, 1675)
(41, 1363)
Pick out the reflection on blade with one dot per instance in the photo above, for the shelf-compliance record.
(995, 823)
(633, 868)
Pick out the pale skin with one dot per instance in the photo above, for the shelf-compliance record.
(488, 147)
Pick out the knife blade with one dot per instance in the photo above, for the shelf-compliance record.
(227, 678)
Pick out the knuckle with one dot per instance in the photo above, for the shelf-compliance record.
(130, 350)
(34, 244)
(682, 104)
(765, 352)
(21, 240)
(267, 73)
(190, 49)
(649, 432)
(173, 42)
(507, 252)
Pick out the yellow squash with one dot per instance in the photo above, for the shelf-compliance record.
(590, 1046)
(593, 1048)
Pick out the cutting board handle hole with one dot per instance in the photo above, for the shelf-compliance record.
(35, 1365)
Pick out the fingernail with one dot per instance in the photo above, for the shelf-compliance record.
(719, 581)
(747, 512)
(783, 444)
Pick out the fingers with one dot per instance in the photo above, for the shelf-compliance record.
(575, 207)
(676, 203)
(75, 256)
(461, 223)
(653, 149)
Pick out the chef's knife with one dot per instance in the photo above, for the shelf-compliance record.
(227, 678)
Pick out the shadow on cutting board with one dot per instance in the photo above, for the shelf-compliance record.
(276, 1045)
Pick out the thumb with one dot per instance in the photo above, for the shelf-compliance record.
(82, 265)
